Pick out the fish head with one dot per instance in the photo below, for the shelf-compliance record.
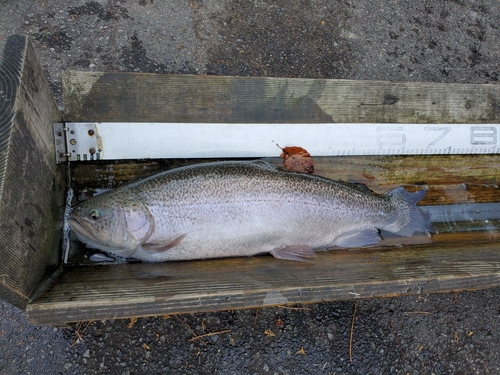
(116, 222)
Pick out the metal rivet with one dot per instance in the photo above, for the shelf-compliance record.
(72, 141)
(91, 132)
(92, 151)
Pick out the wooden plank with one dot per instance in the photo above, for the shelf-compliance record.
(469, 259)
(134, 97)
(31, 186)
(142, 289)
(451, 179)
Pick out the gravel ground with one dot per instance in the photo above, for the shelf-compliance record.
(436, 41)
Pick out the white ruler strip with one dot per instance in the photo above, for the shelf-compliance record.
(221, 140)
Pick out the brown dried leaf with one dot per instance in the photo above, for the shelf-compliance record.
(297, 159)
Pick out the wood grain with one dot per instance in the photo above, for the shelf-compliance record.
(142, 289)
(461, 257)
(450, 179)
(31, 186)
(93, 96)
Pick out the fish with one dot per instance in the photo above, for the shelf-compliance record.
(241, 208)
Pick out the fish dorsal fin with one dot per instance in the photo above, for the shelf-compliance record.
(299, 253)
(361, 187)
(163, 245)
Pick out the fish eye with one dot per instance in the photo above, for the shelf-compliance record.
(94, 214)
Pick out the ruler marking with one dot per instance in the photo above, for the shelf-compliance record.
(444, 129)
(192, 140)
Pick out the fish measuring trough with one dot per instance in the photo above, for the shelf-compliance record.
(463, 195)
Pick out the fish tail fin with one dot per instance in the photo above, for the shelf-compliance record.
(418, 220)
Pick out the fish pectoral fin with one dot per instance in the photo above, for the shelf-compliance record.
(162, 246)
(300, 253)
(359, 238)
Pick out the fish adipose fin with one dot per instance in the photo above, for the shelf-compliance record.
(419, 218)
(359, 239)
(164, 246)
(300, 253)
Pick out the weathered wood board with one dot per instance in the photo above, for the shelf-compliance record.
(117, 97)
(451, 180)
(142, 289)
(449, 261)
(31, 185)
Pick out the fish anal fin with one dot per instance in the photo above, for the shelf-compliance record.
(162, 246)
(300, 253)
(359, 238)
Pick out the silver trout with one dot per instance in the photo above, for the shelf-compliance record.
(229, 209)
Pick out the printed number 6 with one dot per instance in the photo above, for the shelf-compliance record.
(391, 136)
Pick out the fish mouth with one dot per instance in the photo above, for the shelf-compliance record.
(80, 228)
(76, 226)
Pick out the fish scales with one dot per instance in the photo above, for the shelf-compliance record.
(228, 209)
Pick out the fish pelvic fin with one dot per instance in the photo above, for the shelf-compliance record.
(162, 246)
(416, 218)
(301, 253)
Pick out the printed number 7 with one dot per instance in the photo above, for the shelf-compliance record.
(444, 129)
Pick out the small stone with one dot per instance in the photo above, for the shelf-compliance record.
(87, 353)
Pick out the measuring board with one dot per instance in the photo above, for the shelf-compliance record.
(121, 140)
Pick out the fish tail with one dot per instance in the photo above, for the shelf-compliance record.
(419, 220)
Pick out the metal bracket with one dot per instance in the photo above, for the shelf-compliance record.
(76, 141)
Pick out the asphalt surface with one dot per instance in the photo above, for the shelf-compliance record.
(436, 41)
